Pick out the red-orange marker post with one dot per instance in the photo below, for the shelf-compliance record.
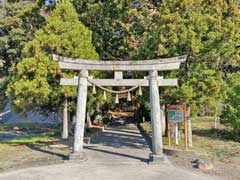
(169, 130)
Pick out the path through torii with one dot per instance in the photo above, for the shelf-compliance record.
(83, 81)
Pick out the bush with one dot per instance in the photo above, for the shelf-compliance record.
(231, 112)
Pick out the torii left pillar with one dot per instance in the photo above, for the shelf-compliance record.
(77, 152)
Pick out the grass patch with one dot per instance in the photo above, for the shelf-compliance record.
(36, 133)
(217, 143)
(35, 139)
(4, 148)
(26, 126)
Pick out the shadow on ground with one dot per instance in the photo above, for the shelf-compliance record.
(93, 148)
(42, 150)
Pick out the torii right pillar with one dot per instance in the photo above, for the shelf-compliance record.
(157, 155)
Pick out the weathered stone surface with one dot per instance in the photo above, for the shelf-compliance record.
(80, 113)
(157, 159)
(160, 64)
(204, 165)
(119, 82)
(157, 147)
(79, 157)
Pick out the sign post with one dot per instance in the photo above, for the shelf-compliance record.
(178, 114)
(168, 129)
(176, 133)
(185, 126)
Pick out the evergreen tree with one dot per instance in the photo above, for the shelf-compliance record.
(118, 26)
(35, 85)
(231, 111)
(208, 32)
(18, 22)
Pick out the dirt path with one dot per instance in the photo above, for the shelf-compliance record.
(118, 153)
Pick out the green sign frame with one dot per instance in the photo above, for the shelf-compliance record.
(175, 116)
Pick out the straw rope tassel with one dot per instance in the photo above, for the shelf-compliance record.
(104, 95)
(140, 91)
(94, 90)
(116, 100)
(129, 97)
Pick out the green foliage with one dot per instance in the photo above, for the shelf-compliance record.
(3, 86)
(18, 22)
(117, 26)
(231, 112)
(36, 81)
(208, 32)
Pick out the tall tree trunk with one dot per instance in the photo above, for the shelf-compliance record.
(65, 119)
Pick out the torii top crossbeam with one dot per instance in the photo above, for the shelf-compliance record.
(143, 65)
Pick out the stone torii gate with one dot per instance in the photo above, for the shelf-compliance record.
(153, 81)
